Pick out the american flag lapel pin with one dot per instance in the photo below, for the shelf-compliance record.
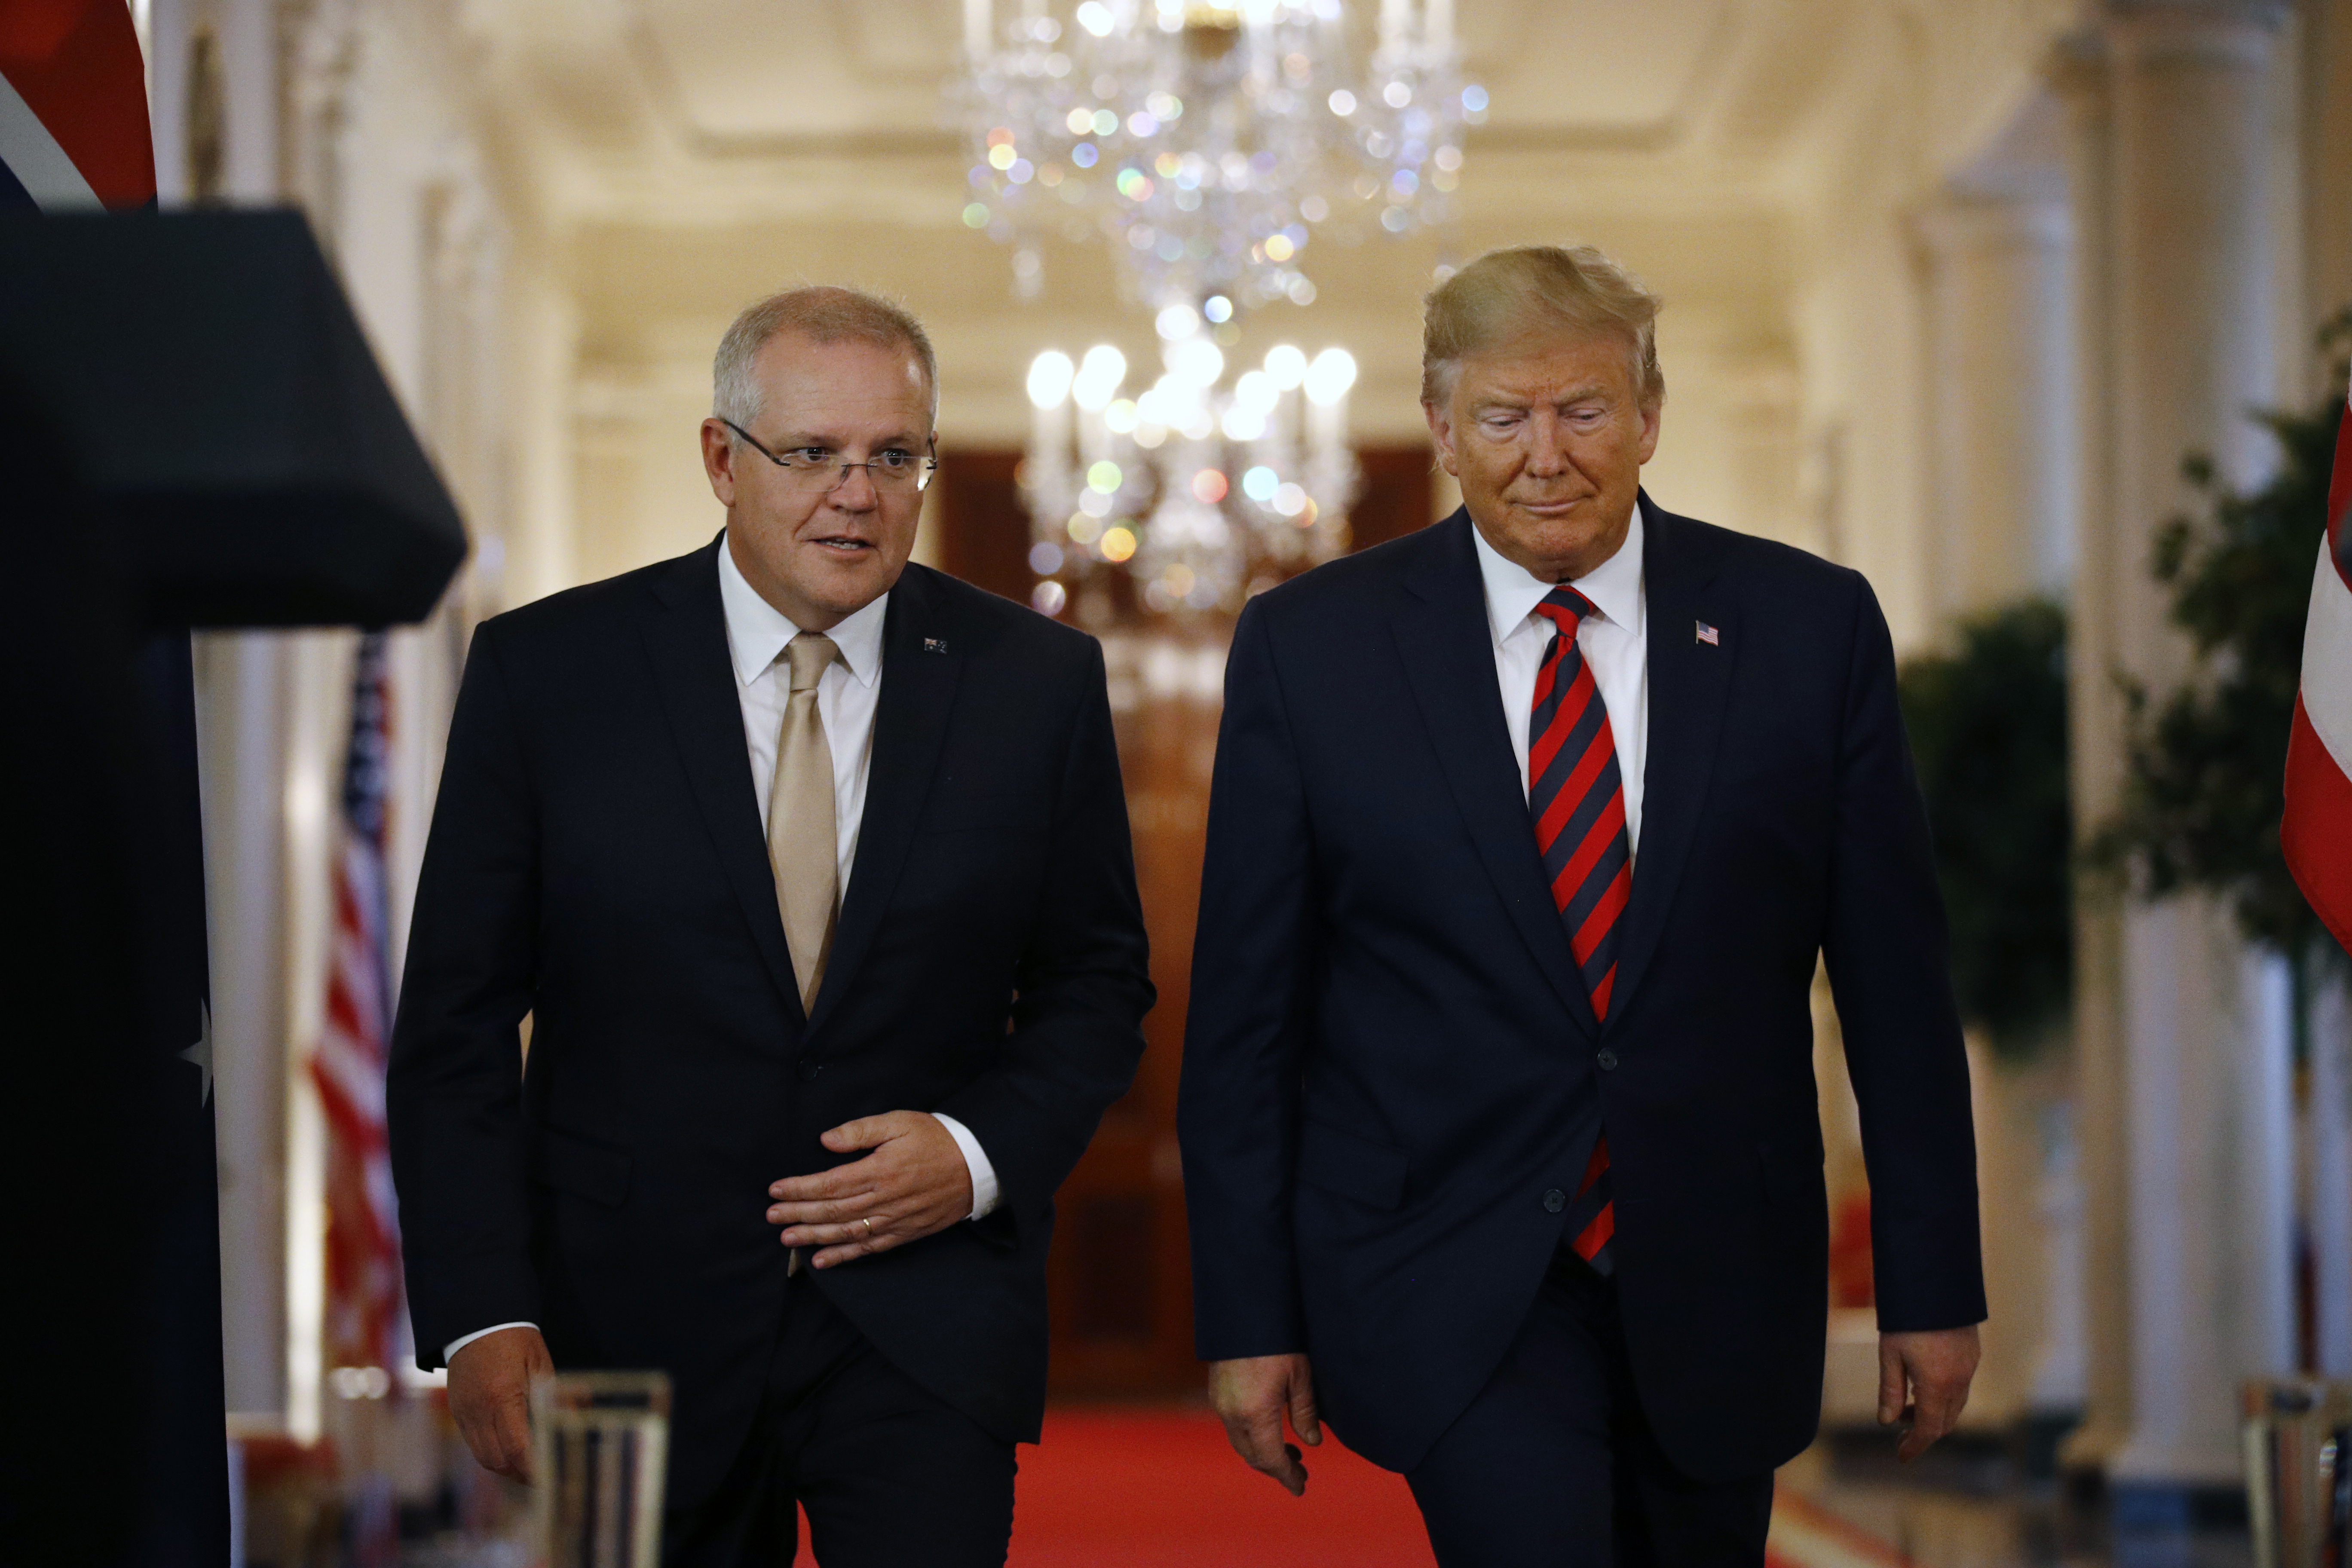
(1708, 635)
(935, 645)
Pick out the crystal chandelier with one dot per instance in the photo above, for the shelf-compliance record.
(1210, 145)
(1204, 495)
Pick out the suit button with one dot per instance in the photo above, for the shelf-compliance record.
(1555, 1200)
(1608, 1060)
(809, 1070)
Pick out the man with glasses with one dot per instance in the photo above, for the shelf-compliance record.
(810, 868)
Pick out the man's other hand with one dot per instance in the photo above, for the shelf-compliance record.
(1923, 1383)
(914, 1184)
(1251, 1397)
(489, 1396)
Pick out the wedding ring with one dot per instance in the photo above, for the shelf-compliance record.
(869, 1223)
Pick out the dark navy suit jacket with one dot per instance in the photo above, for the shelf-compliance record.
(597, 860)
(1390, 1067)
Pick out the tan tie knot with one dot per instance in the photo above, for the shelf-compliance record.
(811, 653)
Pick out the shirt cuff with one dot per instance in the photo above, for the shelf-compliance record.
(449, 1351)
(984, 1194)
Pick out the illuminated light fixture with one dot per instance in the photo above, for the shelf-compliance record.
(1200, 494)
(1214, 146)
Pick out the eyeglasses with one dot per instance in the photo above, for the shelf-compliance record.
(816, 468)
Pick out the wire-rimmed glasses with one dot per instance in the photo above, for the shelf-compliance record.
(892, 469)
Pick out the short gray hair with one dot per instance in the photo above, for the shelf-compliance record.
(823, 313)
(1505, 293)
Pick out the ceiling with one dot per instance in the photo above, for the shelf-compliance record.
(679, 157)
(737, 76)
(696, 112)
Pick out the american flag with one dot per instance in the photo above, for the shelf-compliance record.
(363, 1223)
(2316, 831)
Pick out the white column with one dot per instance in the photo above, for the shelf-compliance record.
(543, 356)
(2185, 1102)
(2078, 71)
(249, 89)
(2001, 360)
(2330, 1119)
(241, 695)
(240, 703)
(169, 26)
(2001, 504)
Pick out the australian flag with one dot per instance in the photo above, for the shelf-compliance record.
(136, 1322)
(73, 107)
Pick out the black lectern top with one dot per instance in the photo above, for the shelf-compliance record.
(226, 418)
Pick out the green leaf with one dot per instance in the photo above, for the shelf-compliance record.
(1988, 729)
(2206, 760)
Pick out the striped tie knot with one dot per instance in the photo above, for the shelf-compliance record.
(1564, 607)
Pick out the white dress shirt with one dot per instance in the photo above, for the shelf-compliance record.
(847, 697)
(1613, 642)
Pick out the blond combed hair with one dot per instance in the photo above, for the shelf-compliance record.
(823, 313)
(1525, 289)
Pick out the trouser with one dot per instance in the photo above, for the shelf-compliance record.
(1554, 1465)
(891, 1476)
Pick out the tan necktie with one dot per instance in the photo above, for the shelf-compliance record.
(802, 841)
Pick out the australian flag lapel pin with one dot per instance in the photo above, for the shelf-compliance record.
(1708, 635)
(935, 645)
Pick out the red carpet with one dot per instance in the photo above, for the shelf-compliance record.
(1160, 1489)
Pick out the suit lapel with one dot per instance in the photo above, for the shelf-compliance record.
(1690, 680)
(1447, 648)
(685, 639)
(922, 660)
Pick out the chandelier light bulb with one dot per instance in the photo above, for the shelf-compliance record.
(1096, 381)
(1197, 362)
(1255, 392)
(1286, 366)
(1178, 321)
(1213, 145)
(1049, 378)
(1330, 377)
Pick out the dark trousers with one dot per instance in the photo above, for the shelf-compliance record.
(1553, 1465)
(891, 1476)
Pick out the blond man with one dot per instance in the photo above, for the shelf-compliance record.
(1499, 1128)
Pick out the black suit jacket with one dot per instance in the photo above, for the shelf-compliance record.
(597, 860)
(1390, 1067)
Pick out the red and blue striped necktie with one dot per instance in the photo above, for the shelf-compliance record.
(1577, 799)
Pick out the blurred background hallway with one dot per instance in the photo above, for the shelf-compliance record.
(1954, 288)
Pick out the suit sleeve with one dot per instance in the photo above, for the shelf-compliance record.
(454, 1094)
(1887, 951)
(1247, 1034)
(1084, 980)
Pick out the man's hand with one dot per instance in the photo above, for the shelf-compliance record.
(1251, 1396)
(489, 1395)
(914, 1184)
(1923, 1382)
